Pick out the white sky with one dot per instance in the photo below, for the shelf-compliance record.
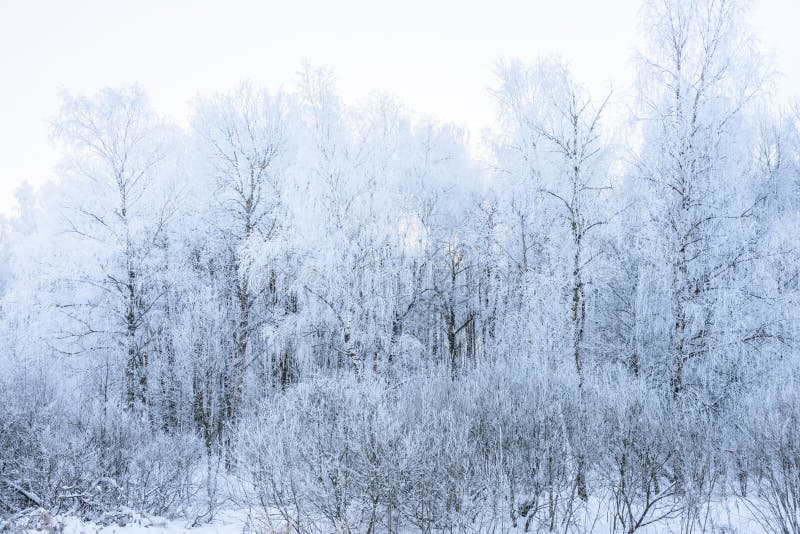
(436, 56)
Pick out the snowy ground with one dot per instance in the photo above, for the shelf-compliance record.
(728, 518)
(43, 523)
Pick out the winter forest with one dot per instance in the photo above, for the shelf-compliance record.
(341, 318)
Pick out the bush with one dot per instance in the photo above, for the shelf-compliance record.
(88, 461)
(429, 452)
(770, 446)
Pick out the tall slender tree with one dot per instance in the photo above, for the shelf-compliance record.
(246, 140)
(116, 144)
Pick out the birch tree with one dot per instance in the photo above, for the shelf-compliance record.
(246, 141)
(116, 147)
(696, 83)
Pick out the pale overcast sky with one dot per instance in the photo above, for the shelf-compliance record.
(437, 57)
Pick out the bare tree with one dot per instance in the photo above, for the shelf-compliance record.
(246, 138)
(694, 92)
(116, 151)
